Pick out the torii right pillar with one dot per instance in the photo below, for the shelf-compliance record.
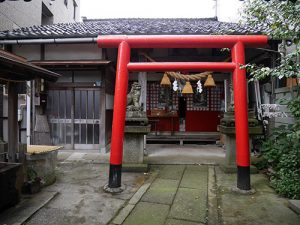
(241, 117)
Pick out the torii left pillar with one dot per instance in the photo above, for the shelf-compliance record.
(119, 114)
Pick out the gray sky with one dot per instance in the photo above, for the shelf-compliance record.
(147, 8)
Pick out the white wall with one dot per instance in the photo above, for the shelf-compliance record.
(109, 101)
(59, 51)
(30, 52)
(72, 52)
(21, 101)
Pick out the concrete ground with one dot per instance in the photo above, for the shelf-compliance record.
(167, 195)
(158, 154)
(78, 197)
(186, 154)
(81, 199)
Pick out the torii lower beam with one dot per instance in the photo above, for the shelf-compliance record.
(237, 44)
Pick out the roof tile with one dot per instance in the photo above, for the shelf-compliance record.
(139, 26)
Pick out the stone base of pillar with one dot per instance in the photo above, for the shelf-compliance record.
(227, 128)
(135, 168)
(229, 166)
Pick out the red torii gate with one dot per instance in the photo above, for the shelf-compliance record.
(237, 44)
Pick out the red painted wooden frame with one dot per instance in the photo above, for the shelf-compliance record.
(237, 44)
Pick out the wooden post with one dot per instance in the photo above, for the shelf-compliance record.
(142, 78)
(102, 117)
(1, 113)
(12, 121)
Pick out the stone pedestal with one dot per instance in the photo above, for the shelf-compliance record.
(227, 127)
(44, 165)
(230, 156)
(229, 166)
(133, 153)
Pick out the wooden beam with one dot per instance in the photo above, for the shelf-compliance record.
(33, 71)
(70, 62)
(12, 121)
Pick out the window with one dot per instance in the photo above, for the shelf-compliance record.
(74, 9)
(47, 16)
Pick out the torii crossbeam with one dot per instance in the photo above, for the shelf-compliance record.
(237, 44)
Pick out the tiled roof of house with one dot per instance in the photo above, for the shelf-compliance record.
(92, 28)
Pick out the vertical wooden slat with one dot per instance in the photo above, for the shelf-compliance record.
(86, 116)
(79, 117)
(1, 112)
(12, 121)
(102, 124)
(72, 117)
(93, 107)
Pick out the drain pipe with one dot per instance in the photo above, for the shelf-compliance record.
(49, 41)
(28, 113)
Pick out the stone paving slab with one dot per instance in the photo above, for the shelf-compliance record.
(295, 205)
(123, 214)
(181, 222)
(190, 204)
(173, 172)
(193, 178)
(161, 191)
(138, 195)
(146, 213)
(199, 168)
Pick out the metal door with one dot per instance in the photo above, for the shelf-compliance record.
(74, 116)
(87, 119)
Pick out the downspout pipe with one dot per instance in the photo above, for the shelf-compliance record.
(49, 41)
(28, 113)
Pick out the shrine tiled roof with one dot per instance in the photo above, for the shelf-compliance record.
(138, 26)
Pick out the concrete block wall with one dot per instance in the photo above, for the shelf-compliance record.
(63, 13)
(16, 14)
(283, 93)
